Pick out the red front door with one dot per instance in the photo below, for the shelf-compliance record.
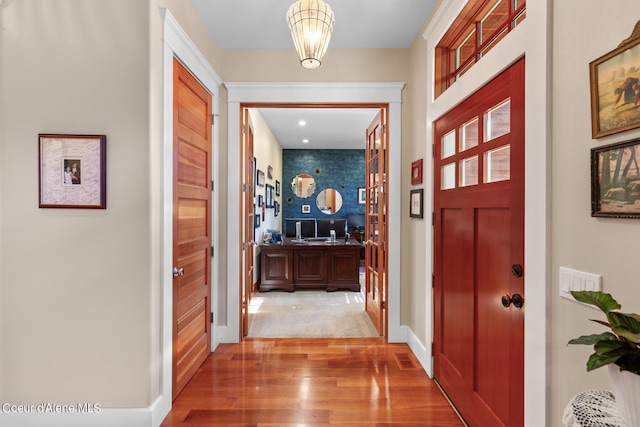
(479, 252)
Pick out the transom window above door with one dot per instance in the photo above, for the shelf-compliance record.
(478, 28)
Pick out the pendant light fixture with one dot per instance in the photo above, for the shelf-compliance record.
(311, 23)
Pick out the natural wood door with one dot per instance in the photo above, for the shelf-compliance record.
(191, 226)
(479, 252)
(249, 228)
(376, 221)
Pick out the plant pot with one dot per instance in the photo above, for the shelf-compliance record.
(626, 389)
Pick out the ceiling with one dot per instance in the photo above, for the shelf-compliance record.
(359, 24)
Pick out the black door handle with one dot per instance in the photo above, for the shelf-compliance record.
(515, 299)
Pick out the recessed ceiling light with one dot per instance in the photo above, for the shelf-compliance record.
(302, 123)
(306, 141)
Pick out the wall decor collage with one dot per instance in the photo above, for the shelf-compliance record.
(615, 108)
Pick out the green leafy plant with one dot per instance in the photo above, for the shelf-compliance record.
(622, 344)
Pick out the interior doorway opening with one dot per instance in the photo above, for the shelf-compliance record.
(331, 135)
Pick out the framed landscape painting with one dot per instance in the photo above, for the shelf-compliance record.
(615, 89)
(615, 180)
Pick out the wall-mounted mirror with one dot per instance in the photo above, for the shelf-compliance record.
(329, 201)
(303, 185)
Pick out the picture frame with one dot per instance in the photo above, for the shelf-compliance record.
(270, 172)
(306, 209)
(256, 220)
(615, 88)
(362, 196)
(72, 171)
(277, 187)
(416, 206)
(260, 180)
(416, 172)
(269, 196)
(260, 200)
(615, 180)
(276, 211)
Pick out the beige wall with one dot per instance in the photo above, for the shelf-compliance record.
(602, 246)
(75, 310)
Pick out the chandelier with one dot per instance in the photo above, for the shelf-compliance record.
(311, 23)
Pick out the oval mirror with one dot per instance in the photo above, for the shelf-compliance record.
(329, 201)
(303, 185)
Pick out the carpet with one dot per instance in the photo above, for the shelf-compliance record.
(309, 314)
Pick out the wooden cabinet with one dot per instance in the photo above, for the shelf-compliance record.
(312, 265)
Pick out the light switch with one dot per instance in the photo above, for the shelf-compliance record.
(574, 280)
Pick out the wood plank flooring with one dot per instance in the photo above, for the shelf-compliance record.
(311, 383)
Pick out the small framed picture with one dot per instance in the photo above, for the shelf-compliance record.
(260, 180)
(306, 208)
(259, 200)
(276, 212)
(277, 187)
(415, 209)
(416, 172)
(72, 171)
(270, 172)
(615, 180)
(269, 196)
(362, 196)
(256, 220)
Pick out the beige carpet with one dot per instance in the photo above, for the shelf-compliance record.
(310, 314)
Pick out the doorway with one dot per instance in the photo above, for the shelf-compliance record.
(317, 94)
(371, 140)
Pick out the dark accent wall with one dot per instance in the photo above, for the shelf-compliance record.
(342, 170)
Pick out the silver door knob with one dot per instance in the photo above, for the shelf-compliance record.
(178, 271)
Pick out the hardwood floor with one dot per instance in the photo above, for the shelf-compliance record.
(311, 383)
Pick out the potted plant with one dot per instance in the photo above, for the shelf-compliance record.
(618, 348)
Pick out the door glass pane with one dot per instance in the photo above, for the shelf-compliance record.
(449, 176)
(497, 164)
(469, 135)
(469, 171)
(520, 18)
(449, 144)
(497, 121)
(494, 42)
(517, 4)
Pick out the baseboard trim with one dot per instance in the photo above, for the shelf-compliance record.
(419, 350)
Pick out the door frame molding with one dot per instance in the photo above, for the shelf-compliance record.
(239, 93)
(178, 44)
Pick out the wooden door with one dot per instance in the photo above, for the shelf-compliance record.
(191, 226)
(376, 221)
(479, 252)
(249, 228)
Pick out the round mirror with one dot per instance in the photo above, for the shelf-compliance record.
(329, 201)
(303, 185)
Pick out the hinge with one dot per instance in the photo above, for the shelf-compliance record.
(383, 305)
(244, 128)
(433, 280)
(433, 348)
(211, 251)
(212, 317)
(433, 218)
(211, 185)
(244, 188)
(433, 151)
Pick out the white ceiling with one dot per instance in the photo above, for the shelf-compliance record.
(359, 24)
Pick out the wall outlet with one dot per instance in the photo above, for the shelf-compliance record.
(574, 280)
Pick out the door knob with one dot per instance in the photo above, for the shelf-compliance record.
(178, 271)
(515, 299)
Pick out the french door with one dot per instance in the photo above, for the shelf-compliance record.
(376, 278)
(479, 252)
(249, 229)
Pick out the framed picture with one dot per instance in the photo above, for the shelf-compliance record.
(259, 200)
(276, 212)
(269, 196)
(306, 208)
(362, 196)
(615, 180)
(256, 220)
(615, 89)
(277, 187)
(260, 180)
(270, 172)
(415, 210)
(416, 172)
(72, 171)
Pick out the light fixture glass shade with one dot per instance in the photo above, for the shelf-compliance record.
(311, 23)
